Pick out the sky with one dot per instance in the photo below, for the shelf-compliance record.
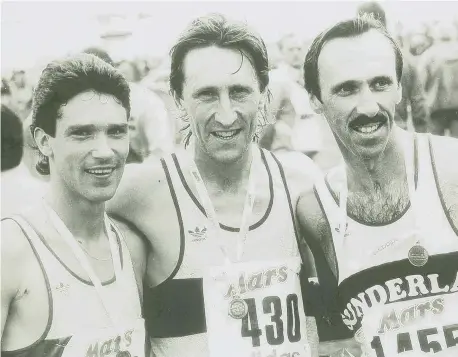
(40, 31)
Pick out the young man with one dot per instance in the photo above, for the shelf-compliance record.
(383, 226)
(68, 286)
(223, 275)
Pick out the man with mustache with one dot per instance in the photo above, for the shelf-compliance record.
(69, 287)
(224, 263)
(383, 227)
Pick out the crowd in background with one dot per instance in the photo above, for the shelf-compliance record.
(429, 103)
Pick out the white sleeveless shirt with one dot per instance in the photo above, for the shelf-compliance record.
(177, 313)
(77, 324)
(393, 307)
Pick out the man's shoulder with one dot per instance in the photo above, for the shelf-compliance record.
(299, 169)
(139, 183)
(15, 247)
(145, 175)
(443, 154)
(444, 150)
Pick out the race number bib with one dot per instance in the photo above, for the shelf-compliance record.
(427, 326)
(108, 342)
(255, 309)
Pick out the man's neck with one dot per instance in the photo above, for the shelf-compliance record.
(228, 177)
(378, 173)
(83, 218)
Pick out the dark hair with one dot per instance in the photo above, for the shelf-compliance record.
(343, 29)
(62, 80)
(374, 9)
(217, 30)
(6, 89)
(98, 52)
(12, 142)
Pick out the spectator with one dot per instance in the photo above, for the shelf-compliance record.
(149, 124)
(98, 52)
(129, 70)
(290, 103)
(7, 98)
(19, 188)
(413, 95)
(439, 65)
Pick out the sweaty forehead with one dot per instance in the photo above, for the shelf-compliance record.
(217, 67)
(356, 58)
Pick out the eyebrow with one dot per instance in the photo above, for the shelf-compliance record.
(91, 127)
(338, 86)
(199, 91)
(385, 78)
(355, 83)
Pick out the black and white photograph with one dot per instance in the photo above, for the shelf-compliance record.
(229, 178)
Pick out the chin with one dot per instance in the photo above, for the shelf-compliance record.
(100, 195)
(228, 156)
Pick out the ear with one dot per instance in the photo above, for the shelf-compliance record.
(43, 142)
(316, 104)
(399, 93)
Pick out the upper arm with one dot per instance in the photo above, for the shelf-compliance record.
(444, 150)
(138, 250)
(13, 246)
(135, 192)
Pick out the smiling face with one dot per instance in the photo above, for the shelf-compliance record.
(221, 97)
(88, 153)
(359, 92)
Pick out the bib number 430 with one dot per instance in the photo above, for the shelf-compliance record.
(425, 338)
(275, 332)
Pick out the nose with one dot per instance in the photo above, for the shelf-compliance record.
(102, 149)
(226, 115)
(367, 104)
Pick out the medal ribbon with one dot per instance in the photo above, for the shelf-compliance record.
(210, 209)
(81, 257)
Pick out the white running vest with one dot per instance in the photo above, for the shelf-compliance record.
(78, 325)
(178, 315)
(393, 307)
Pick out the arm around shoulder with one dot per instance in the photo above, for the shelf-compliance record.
(136, 190)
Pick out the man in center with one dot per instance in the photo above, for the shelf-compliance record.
(223, 276)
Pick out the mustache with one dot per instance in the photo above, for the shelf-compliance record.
(363, 119)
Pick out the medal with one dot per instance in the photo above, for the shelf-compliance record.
(418, 255)
(238, 308)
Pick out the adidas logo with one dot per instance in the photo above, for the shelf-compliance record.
(198, 234)
(62, 288)
(347, 233)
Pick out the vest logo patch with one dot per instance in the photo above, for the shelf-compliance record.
(198, 234)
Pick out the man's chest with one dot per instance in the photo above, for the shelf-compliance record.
(377, 207)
